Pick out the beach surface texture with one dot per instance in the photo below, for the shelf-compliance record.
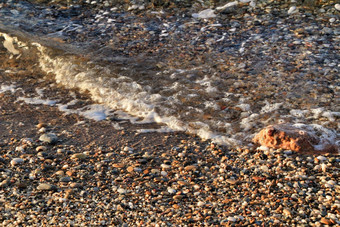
(169, 113)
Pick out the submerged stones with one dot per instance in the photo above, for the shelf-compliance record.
(291, 137)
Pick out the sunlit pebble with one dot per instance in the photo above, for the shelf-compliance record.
(16, 161)
(200, 203)
(332, 20)
(20, 149)
(321, 158)
(164, 174)
(337, 7)
(42, 130)
(171, 190)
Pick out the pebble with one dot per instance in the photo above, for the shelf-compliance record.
(50, 138)
(292, 10)
(337, 7)
(80, 156)
(171, 190)
(17, 161)
(41, 148)
(121, 191)
(46, 187)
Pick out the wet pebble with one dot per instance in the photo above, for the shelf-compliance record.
(49, 138)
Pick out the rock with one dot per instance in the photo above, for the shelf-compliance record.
(337, 7)
(79, 156)
(48, 138)
(292, 10)
(327, 221)
(46, 187)
(207, 13)
(65, 179)
(17, 161)
(41, 148)
(289, 137)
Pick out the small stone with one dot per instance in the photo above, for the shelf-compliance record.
(46, 187)
(327, 221)
(165, 166)
(75, 185)
(60, 173)
(164, 173)
(190, 168)
(292, 10)
(17, 161)
(41, 148)
(79, 156)
(200, 203)
(231, 219)
(231, 181)
(130, 169)
(171, 190)
(118, 165)
(337, 7)
(48, 138)
(65, 179)
(121, 191)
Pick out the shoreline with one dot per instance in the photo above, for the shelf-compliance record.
(97, 175)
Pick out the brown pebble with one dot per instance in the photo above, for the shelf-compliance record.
(176, 206)
(130, 169)
(118, 165)
(327, 221)
(190, 168)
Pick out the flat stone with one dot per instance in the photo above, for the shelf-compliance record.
(80, 156)
(46, 187)
(48, 138)
(17, 161)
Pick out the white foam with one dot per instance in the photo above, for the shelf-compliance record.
(4, 88)
(270, 107)
(327, 136)
(37, 101)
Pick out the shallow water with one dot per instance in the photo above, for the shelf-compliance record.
(226, 106)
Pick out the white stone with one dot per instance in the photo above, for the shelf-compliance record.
(292, 10)
(232, 219)
(321, 158)
(200, 203)
(171, 190)
(208, 13)
(121, 191)
(337, 7)
(17, 161)
(228, 5)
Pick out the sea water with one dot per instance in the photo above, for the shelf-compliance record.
(194, 99)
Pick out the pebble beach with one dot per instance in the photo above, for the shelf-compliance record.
(63, 164)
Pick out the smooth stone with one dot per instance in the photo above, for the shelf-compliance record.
(75, 185)
(46, 187)
(17, 161)
(79, 156)
(65, 179)
(337, 7)
(41, 148)
(121, 191)
(171, 190)
(48, 138)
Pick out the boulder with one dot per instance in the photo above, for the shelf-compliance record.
(291, 137)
